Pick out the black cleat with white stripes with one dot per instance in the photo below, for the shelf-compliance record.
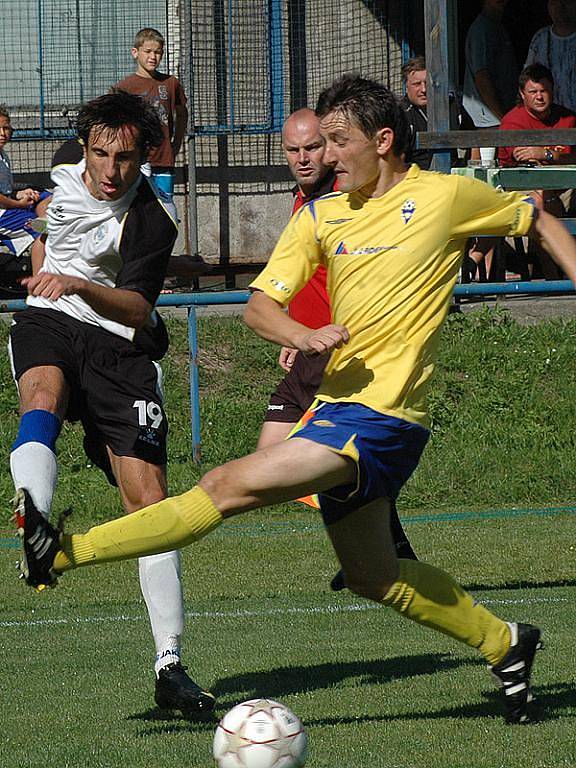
(40, 543)
(513, 672)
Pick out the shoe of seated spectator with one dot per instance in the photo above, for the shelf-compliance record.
(40, 543)
(338, 583)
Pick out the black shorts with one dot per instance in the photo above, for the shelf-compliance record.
(114, 387)
(297, 389)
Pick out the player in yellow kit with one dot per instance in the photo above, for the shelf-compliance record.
(392, 241)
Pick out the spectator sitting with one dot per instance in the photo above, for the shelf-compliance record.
(555, 47)
(415, 104)
(17, 209)
(537, 111)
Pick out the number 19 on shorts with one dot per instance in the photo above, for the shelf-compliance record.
(149, 413)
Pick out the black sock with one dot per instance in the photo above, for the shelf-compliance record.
(403, 546)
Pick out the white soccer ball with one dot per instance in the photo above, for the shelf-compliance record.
(260, 733)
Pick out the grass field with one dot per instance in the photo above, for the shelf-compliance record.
(493, 502)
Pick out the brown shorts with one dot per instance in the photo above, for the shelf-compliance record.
(297, 389)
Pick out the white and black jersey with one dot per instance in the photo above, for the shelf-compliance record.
(119, 244)
(107, 366)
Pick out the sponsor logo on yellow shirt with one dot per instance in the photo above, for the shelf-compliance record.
(366, 251)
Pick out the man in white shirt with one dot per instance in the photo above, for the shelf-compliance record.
(555, 47)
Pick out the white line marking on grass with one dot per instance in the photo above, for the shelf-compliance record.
(243, 614)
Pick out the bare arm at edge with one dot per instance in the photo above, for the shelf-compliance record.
(553, 236)
(267, 319)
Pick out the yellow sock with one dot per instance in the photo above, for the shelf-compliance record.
(431, 597)
(170, 524)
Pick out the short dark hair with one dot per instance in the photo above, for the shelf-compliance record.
(369, 104)
(416, 64)
(535, 72)
(148, 33)
(4, 111)
(116, 110)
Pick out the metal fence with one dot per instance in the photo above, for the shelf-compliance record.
(56, 54)
(249, 64)
(245, 64)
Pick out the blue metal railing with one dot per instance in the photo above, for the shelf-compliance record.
(191, 301)
(514, 287)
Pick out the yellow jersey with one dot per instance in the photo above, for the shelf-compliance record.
(392, 263)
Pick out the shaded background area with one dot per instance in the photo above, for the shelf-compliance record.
(244, 65)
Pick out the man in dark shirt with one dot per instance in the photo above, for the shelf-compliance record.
(415, 103)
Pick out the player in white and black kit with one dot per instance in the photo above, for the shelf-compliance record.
(85, 348)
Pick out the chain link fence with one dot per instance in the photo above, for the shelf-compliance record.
(245, 65)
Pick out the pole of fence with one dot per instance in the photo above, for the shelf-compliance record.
(190, 180)
(514, 288)
(41, 67)
(194, 384)
(276, 65)
(79, 52)
(209, 298)
(438, 68)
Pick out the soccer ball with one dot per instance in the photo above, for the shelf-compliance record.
(260, 733)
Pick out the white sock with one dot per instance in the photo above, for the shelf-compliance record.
(162, 590)
(34, 466)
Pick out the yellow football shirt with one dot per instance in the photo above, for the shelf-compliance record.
(392, 263)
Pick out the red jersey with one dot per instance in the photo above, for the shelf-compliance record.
(311, 305)
(520, 119)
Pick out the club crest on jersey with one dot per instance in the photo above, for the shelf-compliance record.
(162, 92)
(100, 233)
(408, 210)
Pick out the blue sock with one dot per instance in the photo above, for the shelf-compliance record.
(33, 457)
(38, 427)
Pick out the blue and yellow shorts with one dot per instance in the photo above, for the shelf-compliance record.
(386, 451)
